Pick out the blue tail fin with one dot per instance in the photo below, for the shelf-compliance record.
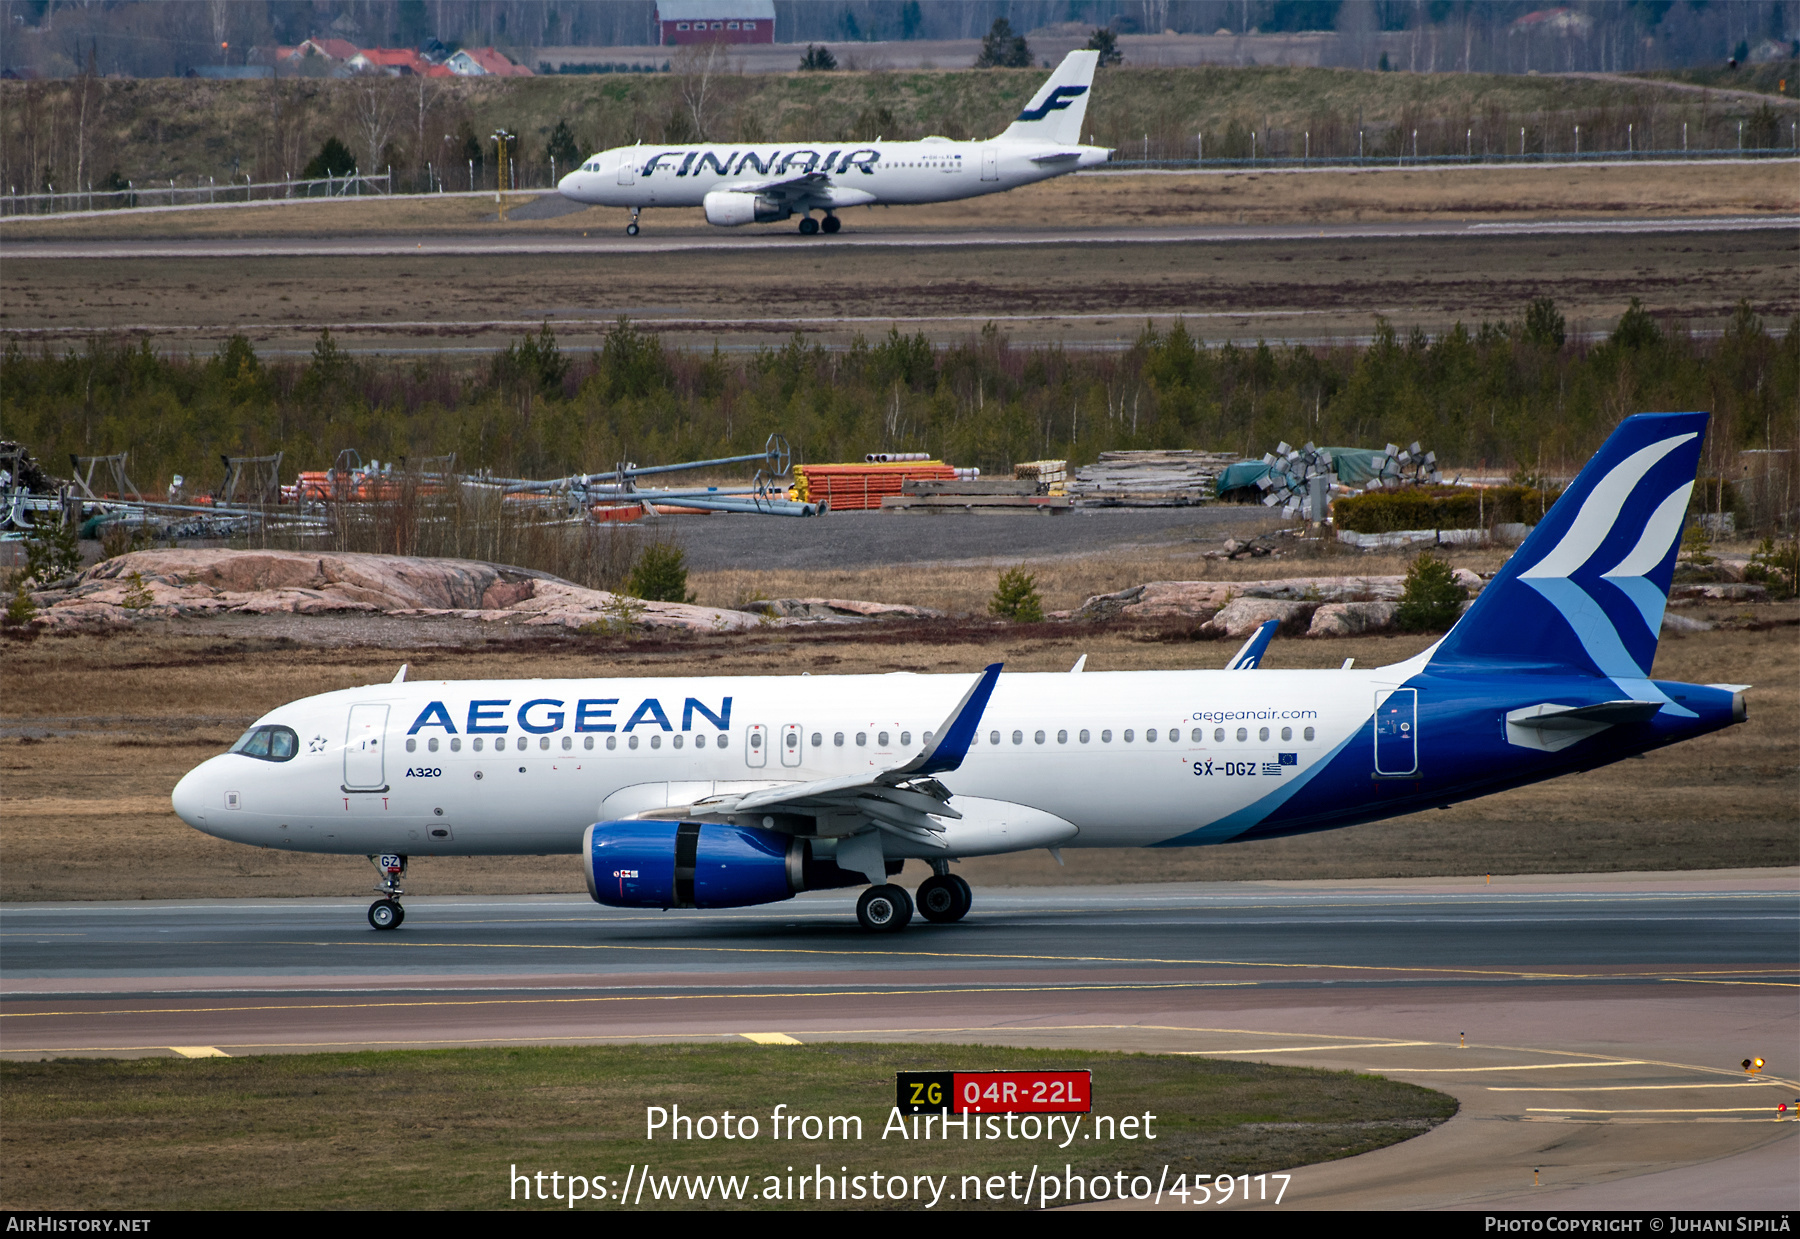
(1587, 590)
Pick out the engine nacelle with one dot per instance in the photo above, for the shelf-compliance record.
(663, 864)
(729, 209)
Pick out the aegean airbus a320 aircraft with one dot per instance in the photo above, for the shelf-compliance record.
(755, 183)
(716, 793)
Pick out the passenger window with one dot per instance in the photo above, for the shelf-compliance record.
(432, 744)
(677, 741)
(1263, 734)
(612, 742)
(412, 745)
(1308, 733)
(1219, 735)
(1287, 733)
(543, 742)
(755, 740)
(927, 737)
(1149, 735)
(1018, 737)
(1084, 735)
(656, 741)
(476, 744)
(587, 742)
(1243, 734)
(862, 739)
(1196, 735)
(792, 739)
(521, 744)
(1062, 737)
(1127, 735)
(719, 741)
(818, 740)
(455, 745)
(632, 743)
(837, 738)
(1037, 738)
(1106, 736)
(568, 743)
(905, 739)
(882, 739)
(993, 737)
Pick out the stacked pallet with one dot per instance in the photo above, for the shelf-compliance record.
(862, 486)
(1162, 478)
(1051, 476)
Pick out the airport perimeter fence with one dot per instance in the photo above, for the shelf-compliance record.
(167, 194)
(1529, 159)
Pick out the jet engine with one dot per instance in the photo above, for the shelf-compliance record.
(729, 209)
(663, 864)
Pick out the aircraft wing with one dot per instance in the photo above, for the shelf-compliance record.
(798, 185)
(903, 800)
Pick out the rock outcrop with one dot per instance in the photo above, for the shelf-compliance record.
(176, 582)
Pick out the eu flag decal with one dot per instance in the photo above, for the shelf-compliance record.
(1288, 759)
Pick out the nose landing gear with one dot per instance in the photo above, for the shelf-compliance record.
(386, 912)
(631, 229)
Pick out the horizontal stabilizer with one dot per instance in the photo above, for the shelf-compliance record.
(1554, 717)
(1551, 727)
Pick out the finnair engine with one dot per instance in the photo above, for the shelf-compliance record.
(663, 864)
(728, 208)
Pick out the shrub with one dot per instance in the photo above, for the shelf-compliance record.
(817, 59)
(333, 159)
(660, 575)
(1776, 565)
(1016, 597)
(21, 609)
(1432, 598)
(137, 594)
(52, 550)
(1450, 507)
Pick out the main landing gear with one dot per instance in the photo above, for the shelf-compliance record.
(386, 912)
(631, 229)
(811, 227)
(943, 899)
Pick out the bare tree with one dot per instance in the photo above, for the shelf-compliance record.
(698, 67)
(377, 111)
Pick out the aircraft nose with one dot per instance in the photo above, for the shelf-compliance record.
(190, 798)
(569, 185)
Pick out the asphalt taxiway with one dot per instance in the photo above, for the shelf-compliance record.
(1591, 1027)
(683, 237)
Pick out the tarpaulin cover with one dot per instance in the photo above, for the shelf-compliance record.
(1353, 466)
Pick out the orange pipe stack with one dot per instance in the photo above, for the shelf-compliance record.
(848, 488)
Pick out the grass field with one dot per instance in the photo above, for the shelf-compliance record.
(152, 130)
(445, 1129)
(84, 811)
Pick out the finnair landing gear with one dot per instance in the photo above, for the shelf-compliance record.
(884, 909)
(944, 898)
(831, 223)
(386, 912)
(808, 225)
(631, 229)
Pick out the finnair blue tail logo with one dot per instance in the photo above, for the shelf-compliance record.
(1056, 101)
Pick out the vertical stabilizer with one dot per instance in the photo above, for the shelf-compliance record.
(1586, 591)
(1056, 112)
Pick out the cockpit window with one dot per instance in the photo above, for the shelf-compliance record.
(268, 743)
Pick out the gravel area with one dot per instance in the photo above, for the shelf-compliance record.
(868, 539)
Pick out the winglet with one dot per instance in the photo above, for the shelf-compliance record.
(399, 676)
(951, 743)
(1251, 654)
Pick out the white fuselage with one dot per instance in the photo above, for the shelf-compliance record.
(861, 174)
(525, 766)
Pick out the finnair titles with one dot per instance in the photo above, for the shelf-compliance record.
(765, 184)
(726, 792)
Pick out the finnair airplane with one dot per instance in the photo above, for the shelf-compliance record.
(765, 184)
(727, 792)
